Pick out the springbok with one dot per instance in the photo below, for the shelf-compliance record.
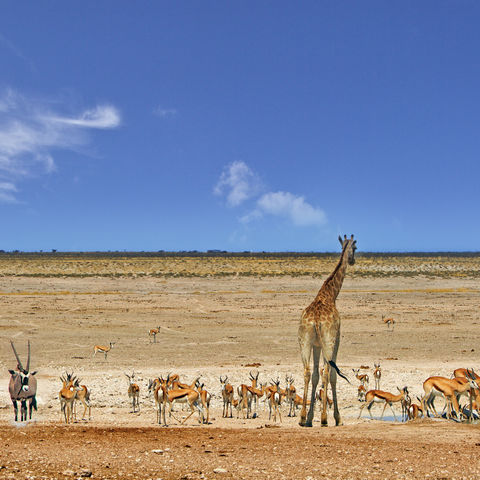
(363, 379)
(181, 395)
(67, 396)
(256, 393)
(103, 349)
(23, 387)
(275, 400)
(449, 389)
(377, 396)
(83, 395)
(377, 374)
(361, 392)
(291, 395)
(319, 398)
(390, 322)
(155, 387)
(205, 397)
(133, 391)
(153, 333)
(227, 395)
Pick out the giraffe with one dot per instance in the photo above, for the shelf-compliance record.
(319, 332)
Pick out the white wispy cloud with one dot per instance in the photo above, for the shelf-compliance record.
(164, 112)
(7, 192)
(237, 183)
(30, 132)
(102, 116)
(289, 206)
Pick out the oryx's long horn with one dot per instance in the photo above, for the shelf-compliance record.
(20, 366)
(28, 358)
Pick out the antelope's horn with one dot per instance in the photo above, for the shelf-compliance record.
(16, 355)
(28, 358)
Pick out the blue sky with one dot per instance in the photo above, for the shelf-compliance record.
(239, 125)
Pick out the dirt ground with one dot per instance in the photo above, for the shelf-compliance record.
(220, 326)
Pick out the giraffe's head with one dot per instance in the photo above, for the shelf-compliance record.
(349, 245)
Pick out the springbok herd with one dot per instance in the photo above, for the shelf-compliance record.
(318, 335)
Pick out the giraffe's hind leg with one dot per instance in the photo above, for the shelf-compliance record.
(315, 378)
(305, 339)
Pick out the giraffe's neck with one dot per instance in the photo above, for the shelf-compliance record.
(333, 284)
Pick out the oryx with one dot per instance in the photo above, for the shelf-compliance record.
(23, 387)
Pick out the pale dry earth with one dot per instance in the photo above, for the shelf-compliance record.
(215, 326)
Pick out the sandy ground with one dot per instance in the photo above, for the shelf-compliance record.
(213, 327)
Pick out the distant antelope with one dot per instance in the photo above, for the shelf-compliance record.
(23, 387)
(390, 322)
(377, 374)
(153, 333)
(103, 349)
(133, 391)
(227, 395)
(364, 378)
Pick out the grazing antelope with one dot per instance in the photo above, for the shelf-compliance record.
(448, 388)
(390, 322)
(82, 395)
(153, 333)
(181, 395)
(377, 374)
(405, 402)
(377, 396)
(103, 349)
(364, 378)
(23, 387)
(415, 410)
(227, 395)
(67, 396)
(205, 397)
(361, 392)
(275, 401)
(133, 391)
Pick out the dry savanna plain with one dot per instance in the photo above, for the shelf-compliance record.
(232, 315)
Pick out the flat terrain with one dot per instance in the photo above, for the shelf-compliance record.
(218, 317)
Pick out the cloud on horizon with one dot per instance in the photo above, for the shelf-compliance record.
(239, 183)
(30, 131)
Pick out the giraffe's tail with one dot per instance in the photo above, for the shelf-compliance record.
(334, 365)
(330, 361)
